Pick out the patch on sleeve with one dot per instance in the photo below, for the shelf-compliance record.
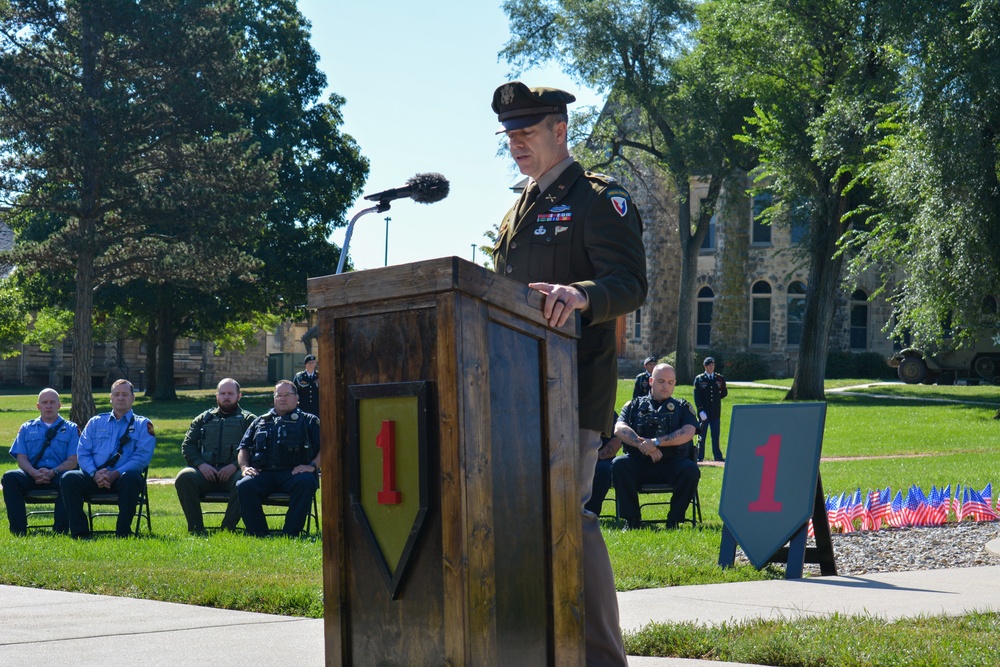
(620, 204)
(149, 428)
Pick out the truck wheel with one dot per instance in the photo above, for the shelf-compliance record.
(912, 370)
(986, 368)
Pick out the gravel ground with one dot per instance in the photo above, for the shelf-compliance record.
(904, 549)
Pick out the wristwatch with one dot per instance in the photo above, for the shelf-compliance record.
(656, 441)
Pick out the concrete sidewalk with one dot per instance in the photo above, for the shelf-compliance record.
(41, 627)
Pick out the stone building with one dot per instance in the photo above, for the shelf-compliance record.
(751, 285)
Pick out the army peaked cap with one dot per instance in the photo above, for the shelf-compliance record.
(518, 106)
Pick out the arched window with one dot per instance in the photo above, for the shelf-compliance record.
(760, 313)
(859, 320)
(796, 312)
(706, 299)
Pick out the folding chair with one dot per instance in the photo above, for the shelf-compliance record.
(111, 499)
(41, 497)
(214, 497)
(282, 500)
(650, 489)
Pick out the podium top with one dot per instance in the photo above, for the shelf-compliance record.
(429, 277)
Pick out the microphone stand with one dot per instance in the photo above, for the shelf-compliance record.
(381, 207)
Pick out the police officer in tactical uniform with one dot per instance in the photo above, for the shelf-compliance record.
(709, 390)
(576, 237)
(657, 430)
(209, 448)
(45, 448)
(279, 453)
(307, 385)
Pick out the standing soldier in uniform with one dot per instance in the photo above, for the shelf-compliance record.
(641, 387)
(209, 448)
(307, 386)
(114, 451)
(709, 390)
(45, 448)
(657, 430)
(576, 237)
(279, 453)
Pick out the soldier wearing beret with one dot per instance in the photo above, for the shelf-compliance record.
(709, 390)
(576, 237)
(307, 386)
(641, 387)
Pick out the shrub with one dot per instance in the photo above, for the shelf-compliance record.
(742, 366)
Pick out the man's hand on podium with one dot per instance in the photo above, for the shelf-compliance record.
(560, 301)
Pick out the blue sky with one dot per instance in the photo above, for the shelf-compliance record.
(419, 79)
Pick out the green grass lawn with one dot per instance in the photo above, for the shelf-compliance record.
(937, 442)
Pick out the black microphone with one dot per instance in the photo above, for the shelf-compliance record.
(422, 188)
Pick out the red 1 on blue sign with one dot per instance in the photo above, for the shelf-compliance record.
(771, 479)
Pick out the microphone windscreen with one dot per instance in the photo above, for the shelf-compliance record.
(428, 188)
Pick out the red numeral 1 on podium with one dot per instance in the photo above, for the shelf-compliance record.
(768, 480)
(386, 441)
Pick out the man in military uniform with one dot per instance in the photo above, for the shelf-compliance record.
(209, 448)
(709, 390)
(657, 430)
(279, 453)
(45, 449)
(307, 386)
(114, 451)
(641, 387)
(576, 237)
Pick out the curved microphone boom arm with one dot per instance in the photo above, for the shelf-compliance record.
(381, 207)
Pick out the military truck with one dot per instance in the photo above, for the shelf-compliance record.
(978, 362)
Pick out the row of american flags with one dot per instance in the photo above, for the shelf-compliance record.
(853, 511)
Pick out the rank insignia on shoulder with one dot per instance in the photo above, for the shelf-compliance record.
(620, 204)
(540, 231)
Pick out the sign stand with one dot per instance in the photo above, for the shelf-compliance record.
(796, 554)
(771, 488)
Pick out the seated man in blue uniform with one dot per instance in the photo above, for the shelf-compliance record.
(656, 430)
(45, 449)
(115, 448)
(279, 453)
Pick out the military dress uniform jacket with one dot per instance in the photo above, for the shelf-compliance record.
(281, 442)
(100, 440)
(31, 437)
(583, 231)
(652, 419)
(641, 387)
(307, 387)
(708, 394)
(214, 437)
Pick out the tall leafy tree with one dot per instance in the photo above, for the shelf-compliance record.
(319, 172)
(936, 226)
(819, 74)
(663, 106)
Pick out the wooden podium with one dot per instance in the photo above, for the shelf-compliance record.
(451, 517)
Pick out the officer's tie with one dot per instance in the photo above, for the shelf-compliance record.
(529, 197)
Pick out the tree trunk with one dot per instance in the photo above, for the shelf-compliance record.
(83, 323)
(83, 349)
(151, 348)
(690, 248)
(824, 281)
(165, 390)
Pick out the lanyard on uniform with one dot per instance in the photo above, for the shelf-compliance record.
(50, 435)
(122, 441)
